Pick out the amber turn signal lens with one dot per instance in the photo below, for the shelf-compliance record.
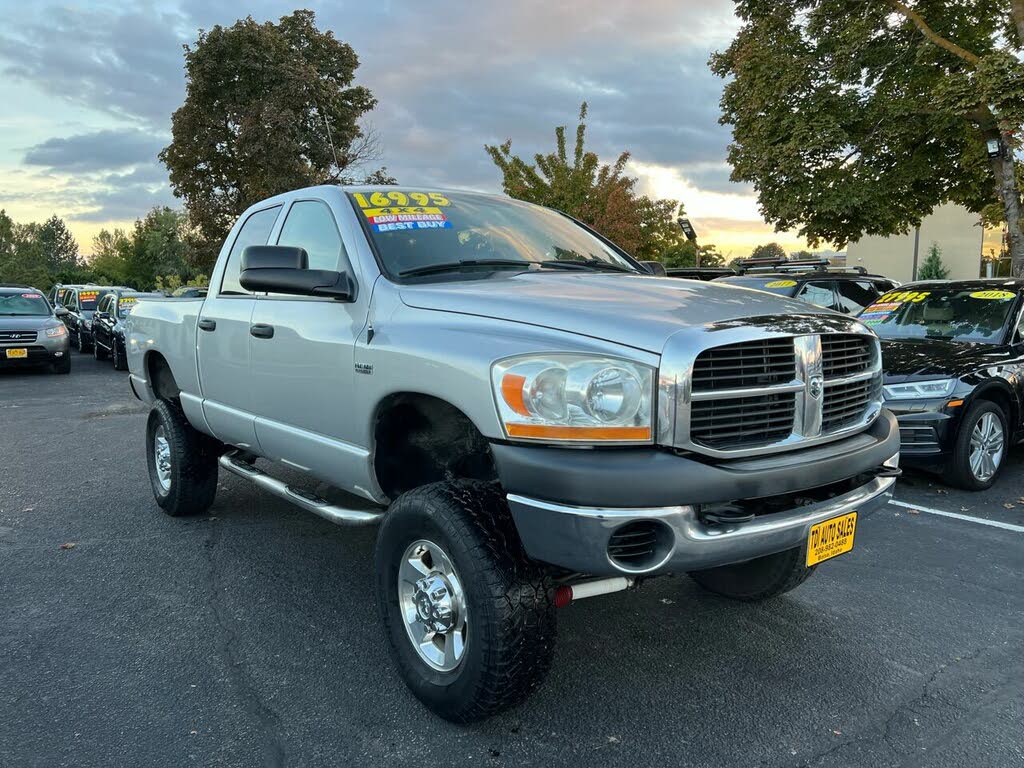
(954, 403)
(512, 392)
(578, 433)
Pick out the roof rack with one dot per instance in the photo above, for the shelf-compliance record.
(777, 264)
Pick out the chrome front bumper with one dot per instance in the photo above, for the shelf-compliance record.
(577, 538)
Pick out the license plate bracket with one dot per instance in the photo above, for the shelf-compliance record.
(17, 353)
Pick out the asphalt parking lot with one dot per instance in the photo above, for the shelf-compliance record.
(249, 637)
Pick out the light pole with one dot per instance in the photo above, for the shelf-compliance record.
(690, 233)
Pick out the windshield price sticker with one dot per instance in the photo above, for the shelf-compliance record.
(392, 198)
(902, 296)
(126, 302)
(780, 284)
(88, 295)
(31, 296)
(993, 295)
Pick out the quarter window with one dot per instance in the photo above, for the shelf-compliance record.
(310, 225)
(255, 231)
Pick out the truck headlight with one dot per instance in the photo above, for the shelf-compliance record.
(919, 389)
(574, 398)
(56, 331)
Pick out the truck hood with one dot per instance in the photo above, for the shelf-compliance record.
(636, 311)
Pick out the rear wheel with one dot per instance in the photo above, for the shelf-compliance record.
(470, 619)
(980, 447)
(757, 579)
(182, 462)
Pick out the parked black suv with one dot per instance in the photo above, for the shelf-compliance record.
(108, 324)
(80, 301)
(814, 281)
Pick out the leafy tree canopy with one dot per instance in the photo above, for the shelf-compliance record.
(268, 108)
(600, 195)
(768, 251)
(855, 117)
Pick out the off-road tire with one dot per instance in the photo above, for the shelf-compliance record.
(193, 462)
(63, 365)
(757, 579)
(960, 473)
(120, 363)
(98, 351)
(511, 632)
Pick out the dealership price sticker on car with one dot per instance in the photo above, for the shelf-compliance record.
(395, 210)
(831, 538)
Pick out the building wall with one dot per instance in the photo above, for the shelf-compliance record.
(956, 230)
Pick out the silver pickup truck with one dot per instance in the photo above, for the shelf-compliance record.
(528, 414)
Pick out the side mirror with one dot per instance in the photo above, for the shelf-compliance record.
(655, 268)
(283, 269)
(61, 311)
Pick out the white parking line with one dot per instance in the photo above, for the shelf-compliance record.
(957, 516)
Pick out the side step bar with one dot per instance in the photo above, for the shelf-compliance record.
(302, 498)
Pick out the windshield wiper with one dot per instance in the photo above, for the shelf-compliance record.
(596, 265)
(455, 266)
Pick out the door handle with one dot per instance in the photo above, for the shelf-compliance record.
(207, 325)
(262, 331)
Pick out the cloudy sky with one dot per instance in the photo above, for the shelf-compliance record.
(88, 88)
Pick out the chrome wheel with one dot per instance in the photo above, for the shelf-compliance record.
(162, 458)
(987, 445)
(433, 605)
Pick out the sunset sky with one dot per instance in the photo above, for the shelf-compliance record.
(88, 89)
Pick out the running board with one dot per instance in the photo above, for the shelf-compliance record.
(301, 498)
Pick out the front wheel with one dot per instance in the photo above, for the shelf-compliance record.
(979, 447)
(469, 618)
(182, 462)
(757, 579)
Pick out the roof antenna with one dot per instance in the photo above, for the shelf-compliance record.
(327, 125)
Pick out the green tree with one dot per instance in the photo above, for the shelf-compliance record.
(57, 244)
(159, 246)
(932, 267)
(268, 108)
(110, 254)
(853, 117)
(768, 251)
(801, 255)
(685, 252)
(600, 195)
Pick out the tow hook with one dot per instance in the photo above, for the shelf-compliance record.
(569, 593)
(886, 471)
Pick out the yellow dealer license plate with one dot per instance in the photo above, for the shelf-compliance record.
(830, 538)
(12, 353)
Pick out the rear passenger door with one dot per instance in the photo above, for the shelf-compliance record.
(302, 352)
(222, 339)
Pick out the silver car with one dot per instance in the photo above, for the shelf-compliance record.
(31, 333)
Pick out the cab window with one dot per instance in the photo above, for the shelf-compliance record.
(818, 293)
(255, 231)
(310, 225)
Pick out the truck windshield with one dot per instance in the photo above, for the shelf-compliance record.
(967, 314)
(23, 303)
(430, 233)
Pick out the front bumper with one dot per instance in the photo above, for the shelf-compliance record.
(569, 505)
(43, 351)
(927, 430)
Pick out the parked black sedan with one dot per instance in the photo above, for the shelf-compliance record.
(953, 357)
(108, 325)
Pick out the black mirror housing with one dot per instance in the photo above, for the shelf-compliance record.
(655, 268)
(273, 257)
(284, 269)
(61, 311)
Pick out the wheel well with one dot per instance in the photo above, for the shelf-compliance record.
(158, 371)
(1001, 398)
(419, 439)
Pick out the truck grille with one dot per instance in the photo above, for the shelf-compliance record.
(750, 364)
(26, 337)
(785, 389)
(844, 404)
(743, 420)
(844, 355)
